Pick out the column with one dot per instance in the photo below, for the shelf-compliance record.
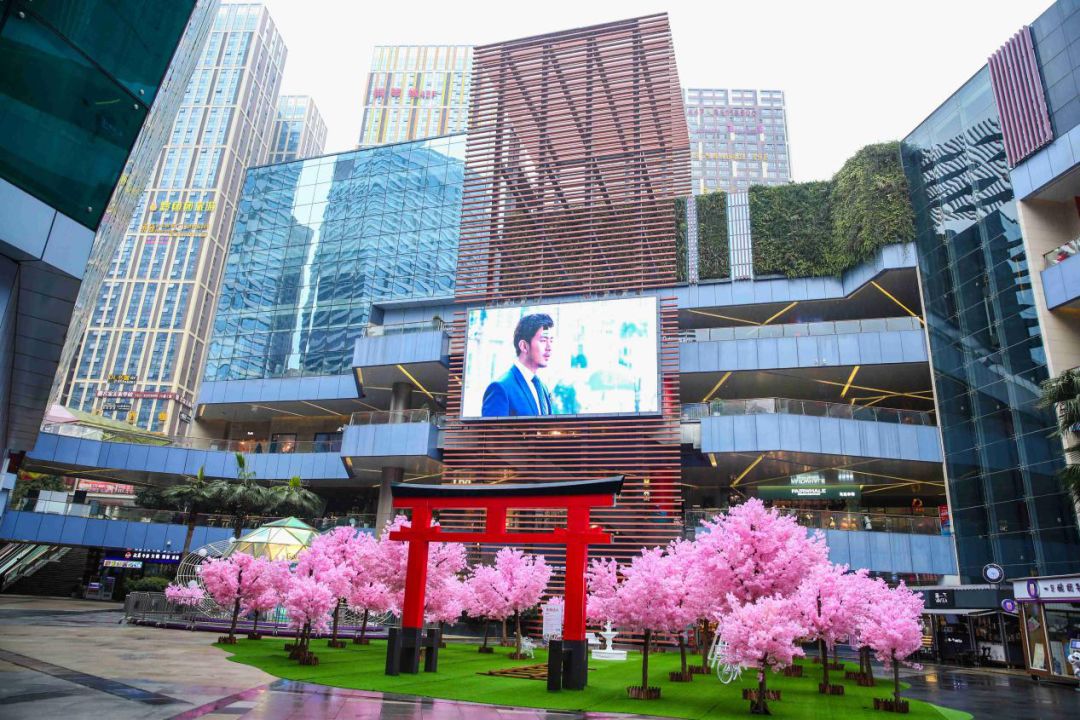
(400, 401)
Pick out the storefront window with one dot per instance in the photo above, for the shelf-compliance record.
(1062, 626)
(1036, 637)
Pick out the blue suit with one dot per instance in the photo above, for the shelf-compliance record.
(510, 395)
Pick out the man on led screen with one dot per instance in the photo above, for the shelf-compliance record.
(520, 391)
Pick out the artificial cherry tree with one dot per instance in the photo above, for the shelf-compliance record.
(646, 601)
(829, 601)
(343, 549)
(891, 628)
(483, 600)
(235, 580)
(762, 635)
(309, 601)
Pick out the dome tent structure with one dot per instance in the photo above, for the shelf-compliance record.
(278, 540)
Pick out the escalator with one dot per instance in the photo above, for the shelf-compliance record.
(21, 560)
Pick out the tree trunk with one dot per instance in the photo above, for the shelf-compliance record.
(255, 625)
(896, 679)
(869, 667)
(238, 525)
(487, 627)
(517, 632)
(337, 612)
(825, 663)
(682, 653)
(192, 520)
(235, 614)
(645, 665)
(761, 707)
(836, 654)
(363, 626)
(503, 640)
(704, 644)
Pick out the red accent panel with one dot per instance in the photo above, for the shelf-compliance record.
(1018, 91)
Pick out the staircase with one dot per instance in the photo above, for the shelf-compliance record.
(40, 569)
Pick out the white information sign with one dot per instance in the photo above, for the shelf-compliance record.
(553, 619)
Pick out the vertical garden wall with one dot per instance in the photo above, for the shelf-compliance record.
(714, 260)
(824, 228)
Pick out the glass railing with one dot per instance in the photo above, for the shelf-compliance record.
(400, 328)
(394, 417)
(1061, 253)
(254, 446)
(837, 327)
(98, 511)
(815, 408)
(843, 520)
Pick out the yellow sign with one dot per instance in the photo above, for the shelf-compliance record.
(174, 228)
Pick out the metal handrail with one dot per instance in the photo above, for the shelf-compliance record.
(1061, 253)
(831, 520)
(692, 412)
(393, 417)
(809, 329)
(253, 446)
(400, 328)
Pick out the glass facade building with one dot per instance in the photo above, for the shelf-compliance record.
(986, 347)
(86, 93)
(738, 138)
(416, 91)
(299, 131)
(318, 241)
(144, 345)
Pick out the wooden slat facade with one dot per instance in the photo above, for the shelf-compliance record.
(577, 150)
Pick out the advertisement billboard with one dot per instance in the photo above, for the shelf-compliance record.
(598, 357)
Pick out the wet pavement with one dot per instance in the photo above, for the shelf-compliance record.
(990, 694)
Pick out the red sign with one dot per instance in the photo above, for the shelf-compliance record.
(105, 488)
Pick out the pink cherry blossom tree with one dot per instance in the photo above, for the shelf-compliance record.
(891, 628)
(602, 586)
(342, 548)
(829, 602)
(646, 601)
(762, 635)
(188, 595)
(308, 603)
(689, 604)
(519, 581)
(866, 593)
(235, 580)
(368, 593)
(483, 600)
(275, 583)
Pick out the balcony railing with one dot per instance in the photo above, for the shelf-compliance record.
(769, 406)
(1061, 253)
(400, 328)
(247, 446)
(394, 417)
(830, 520)
(98, 511)
(838, 327)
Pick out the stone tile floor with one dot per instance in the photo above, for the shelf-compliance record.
(76, 659)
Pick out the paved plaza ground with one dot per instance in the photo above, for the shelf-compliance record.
(75, 659)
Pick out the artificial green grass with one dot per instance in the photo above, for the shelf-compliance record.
(360, 667)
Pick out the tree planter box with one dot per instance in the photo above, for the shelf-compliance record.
(485, 650)
(792, 671)
(361, 641)
(254, 636)
(335, 643)
(699, 670)
(896, 706)
(308, 658)
(748, 694)
(680, 676)
(636, 692)
(227, 640)
(824, 689)
(289, 647)
(518, 656)
(866, 681)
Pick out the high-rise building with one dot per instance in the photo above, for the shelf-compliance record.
(738, 138)
(86, 94)
(144, 346)
(416, 91)
(299, 131)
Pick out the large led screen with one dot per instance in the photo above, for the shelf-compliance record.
(576, 358)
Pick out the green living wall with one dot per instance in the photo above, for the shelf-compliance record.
(713, 257)
(824, 228)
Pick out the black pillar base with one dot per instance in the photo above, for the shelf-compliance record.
(431, 659)
(555, 661)
(393, 650)
(403, 650)
(575, 664)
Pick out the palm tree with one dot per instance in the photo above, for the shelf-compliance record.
(1062, 393)
(294, 498)
(193, 496)
(242, 497)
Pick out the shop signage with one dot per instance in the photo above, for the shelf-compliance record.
(123, 406)
(124, 378)
(809, 492)
(946, 522)
(184, 417)
(144, 395)
(1062, 588)
(141, 556)
(128, 564)
(993, 573)
(941, 599)
(1008, 605)
(102, 487)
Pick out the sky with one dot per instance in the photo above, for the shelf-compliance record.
(854, 72)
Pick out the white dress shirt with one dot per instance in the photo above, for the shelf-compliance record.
(529, 375)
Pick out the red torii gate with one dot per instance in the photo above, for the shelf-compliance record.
(578, 498)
